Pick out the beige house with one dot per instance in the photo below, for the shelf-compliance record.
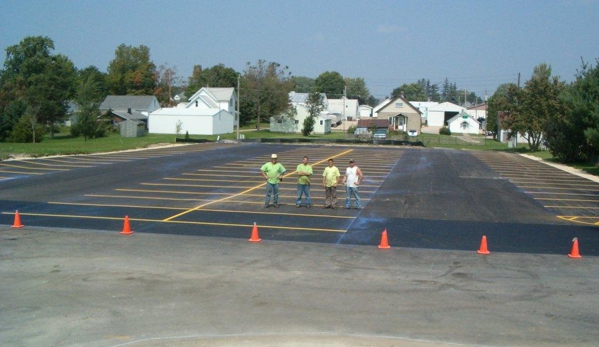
(401, 114)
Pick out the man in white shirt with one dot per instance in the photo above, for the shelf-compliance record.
(352, 179)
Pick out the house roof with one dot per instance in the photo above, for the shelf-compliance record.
(123, 102)
(302, 98)
(460, 115)
(135, 116)
(211, 96)
(367, 123)
(446, 106)
(177, 111)
(388, 102)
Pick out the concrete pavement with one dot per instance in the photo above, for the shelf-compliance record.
(67, 287)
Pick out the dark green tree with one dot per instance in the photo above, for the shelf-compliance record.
(88, 122)
(412, 92)
(265, 87)
(499, 102)
(10, 117)
(303, 84)
(131, 72)
(356, 89)
(315, 106)
(218, 76)
(44, 82)
(331, 83)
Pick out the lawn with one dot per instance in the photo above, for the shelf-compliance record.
(63, 143)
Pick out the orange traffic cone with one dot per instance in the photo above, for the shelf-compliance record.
(574, 253)
(126, 227)
(17, 223)
(483, 247)
(384, 242)
(255, 237)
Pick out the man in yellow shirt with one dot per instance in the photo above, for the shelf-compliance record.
(273, 174)
(330, 179)
(304, 171)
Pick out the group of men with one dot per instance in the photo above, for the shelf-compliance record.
(273, 173)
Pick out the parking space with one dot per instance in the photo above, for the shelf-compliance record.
(568, 196)
(11, 169)
(225, 198)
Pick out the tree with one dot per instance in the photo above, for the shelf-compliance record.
(131, 72)
(532, 108)
(265, 88)
(315, 106)
(218, 76)
(574, 135)
(44, 82)
(356, 89)
(498, 102)
(88, 122)
(93, 73)
(330, 83)
(166, 84)
(303, 84)
(412, 91)
(10, 117)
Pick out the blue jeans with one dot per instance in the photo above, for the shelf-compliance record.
(305, 190)
(349, 191)
(272, 189)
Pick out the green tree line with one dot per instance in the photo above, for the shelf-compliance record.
(548, 111)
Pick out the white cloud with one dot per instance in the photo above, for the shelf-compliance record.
(389, 29)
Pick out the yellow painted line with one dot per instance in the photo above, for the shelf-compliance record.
(551, 185)
(22, 173)
(31, 168)
(167, 199)
(52, 165)
(214, 174)
(204, 209)
(249, 190)
(98, 160)
(224, 187)
(169, 191)
(175, 222)
(556, 188)
(557, 193)
(578, 200)
(574, 207)
(575, 220)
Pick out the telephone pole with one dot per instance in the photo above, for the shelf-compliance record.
(238, 115)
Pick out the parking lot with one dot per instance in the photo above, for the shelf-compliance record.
(188, 276)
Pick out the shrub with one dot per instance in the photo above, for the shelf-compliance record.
(444, 131)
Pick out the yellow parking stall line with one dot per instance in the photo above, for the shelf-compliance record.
(204, 209)
(557, 188)
(194, 185)
(249, 190)
(558, 193)
(97, 160)
(22, 172)
(175, 222)
(577, 200)
(31, 168)
(164, 198)
(214, 174)
(562, 184)
(574, 207)
(52, 165)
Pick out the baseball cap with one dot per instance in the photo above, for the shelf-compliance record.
(351, 160)
(274, 156)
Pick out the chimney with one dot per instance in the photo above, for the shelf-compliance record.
(129, 110)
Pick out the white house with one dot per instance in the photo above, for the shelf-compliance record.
(195, 121)
(364, 111)
(438, 115)
(284, 124)
(348, 108)
(463, 123)
(478, 111)
(302, 99)
(210, 111)
(423, 107)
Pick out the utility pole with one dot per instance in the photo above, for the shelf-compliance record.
(343, 120)
(238, 115)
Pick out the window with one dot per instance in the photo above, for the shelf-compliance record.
(279, 120)
(321, 122)
(296, 121)
(398, 104)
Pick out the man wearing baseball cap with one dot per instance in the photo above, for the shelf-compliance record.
(352, 179)
(273, 174)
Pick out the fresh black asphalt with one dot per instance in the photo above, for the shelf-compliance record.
(424, 198)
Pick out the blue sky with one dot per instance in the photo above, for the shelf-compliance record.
(478, 44)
